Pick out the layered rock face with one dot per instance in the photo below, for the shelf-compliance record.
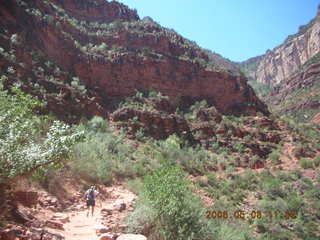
(287, 78)
(82, 56)
(249, 67)
(299, 95)
(98, 10)
(286, 59)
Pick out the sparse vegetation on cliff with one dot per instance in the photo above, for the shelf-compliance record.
(262, 90)
(189, 142)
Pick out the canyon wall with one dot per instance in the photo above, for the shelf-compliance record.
(104, 53)
(286, 59)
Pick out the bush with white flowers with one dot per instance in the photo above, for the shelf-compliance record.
(23, 147)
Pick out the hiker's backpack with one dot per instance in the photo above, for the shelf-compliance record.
(91, 194)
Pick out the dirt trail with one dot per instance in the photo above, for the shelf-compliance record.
(81, 226)
(108, 216)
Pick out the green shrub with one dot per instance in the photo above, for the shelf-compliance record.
(215, 147)
(140, 135)
(179, 214)
(294, 201)
(23, 147)
(286, 176)
(238, 231)
(43, 175)
(272, 187)
(192, 112)
(195, 160)
(247, 138)
(239, 147)
(141, 100)
(248, 180)
(316, 161)
(275, 157)
(96, 124)
(135, 185)
(306, 163)
(297, 174)
(212, 180)
(142, 219)
(238, 195)
(199, 105)
(102, 155)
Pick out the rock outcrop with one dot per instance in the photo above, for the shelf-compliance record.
(81, 57)
(98, 10)
(28, 199)
(286, 59)
(287, 78)
(158, 125)
(299, 93)
(249, 67)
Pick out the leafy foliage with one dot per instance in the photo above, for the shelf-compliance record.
(142, 100)
(22, 149)
(261, 89)
(306, 163)
(103, 154)
(194, 160)
(178, 213)
(284, 199)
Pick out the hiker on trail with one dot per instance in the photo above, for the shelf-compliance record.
(90, 196)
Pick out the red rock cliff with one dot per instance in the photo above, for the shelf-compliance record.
(104, 52)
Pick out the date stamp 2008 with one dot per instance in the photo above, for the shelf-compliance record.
(252, 214)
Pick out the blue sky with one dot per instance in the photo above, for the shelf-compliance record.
(236, 29)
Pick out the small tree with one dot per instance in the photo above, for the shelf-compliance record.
(178, 213)
(23, 147)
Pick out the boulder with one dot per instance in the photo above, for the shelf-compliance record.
(54, 225)
(52, 236)
(80, 207)
(106, 212)
(20, 215)
(209, 114)
(7, 235)
(60, 217)
(41, 234)
(122, 227)
(53, 208)
(37, 223)
(106, 236)
(26, 198)
(35, 234)
(131, 237)
(120, 207)
(100, 229)
(51, 201)
(155, 123)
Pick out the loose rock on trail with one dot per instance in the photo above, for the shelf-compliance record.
(107, 223)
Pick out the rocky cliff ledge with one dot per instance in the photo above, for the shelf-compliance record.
(286, 59)
(82, 56)
(287, 78)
